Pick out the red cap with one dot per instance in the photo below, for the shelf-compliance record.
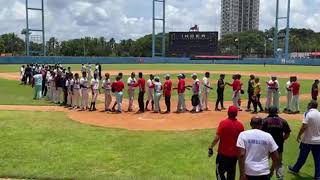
(233, 109)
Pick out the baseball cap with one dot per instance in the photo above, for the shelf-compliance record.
(157, 77)
(194, 74)
(180, 75)
(233, 109)
(167, 75)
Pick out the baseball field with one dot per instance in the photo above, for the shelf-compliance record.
(40, 140)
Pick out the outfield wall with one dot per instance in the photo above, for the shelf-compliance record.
(148, 60)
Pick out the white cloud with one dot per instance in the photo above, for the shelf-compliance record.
(121, 19)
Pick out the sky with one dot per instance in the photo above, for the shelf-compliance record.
(123, 19)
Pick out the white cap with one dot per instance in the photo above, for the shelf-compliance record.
(194, 74)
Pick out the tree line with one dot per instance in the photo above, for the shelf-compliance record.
(246, 44)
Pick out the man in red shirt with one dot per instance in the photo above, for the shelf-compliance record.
(236, 87)
(295, 86)
(117, 88)
(181, 89)
(227, 135)
(142, 89)
(167, 86)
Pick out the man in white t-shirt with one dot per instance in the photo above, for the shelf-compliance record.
(131, 82)
(311, 140)
(255, 147)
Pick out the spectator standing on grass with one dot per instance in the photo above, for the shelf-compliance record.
(167, 87)
(315, 90)
(227, 135)
(250, 92)
(310, 130)
(220, 93)
(280, 131)
(255, 147)
(295, 86)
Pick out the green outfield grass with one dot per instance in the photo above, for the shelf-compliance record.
(50, 146)
(204, 67)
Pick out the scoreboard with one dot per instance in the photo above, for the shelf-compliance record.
(186, 44)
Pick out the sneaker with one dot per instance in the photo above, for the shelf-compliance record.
(254, 112)
(290, 169)
(223, 108)
(248, 110)
(217, 109)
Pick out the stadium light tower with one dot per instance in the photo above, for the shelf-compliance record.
(155, 19)
(276, 31)
(42, 30)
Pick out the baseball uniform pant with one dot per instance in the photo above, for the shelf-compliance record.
(250, 100)
(53, 94)
(119, 96)
(167, 100)
(289, 99)
(269, 98)
(59, 98)
(257, 103)
(295, 103)
(276, 98)
(107, 99)
(150, 95)
(94, 95)
(235, 99)
(141, 101)
(44, 89)
(85, 98)
(69, 99)
(220, 99)
(181, 102)
(131, 97)
(157, 97)
(204, 100)
(37, 92)
(226, 165)
(49, 92)
(76, 98)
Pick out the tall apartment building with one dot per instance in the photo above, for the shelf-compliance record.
(239, 15)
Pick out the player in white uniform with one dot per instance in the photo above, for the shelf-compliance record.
(106, 85)
(83, 68)
(76, 92)
(22, 70)
(289, 95)
(48, 84)
(195, 94)
(69, 85)
(131, 82)
(84, 83)
(157, 94)
(150, 93)
(95, 91)
(89, 71)
(205, 89)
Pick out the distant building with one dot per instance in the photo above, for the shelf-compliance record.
(239, 15)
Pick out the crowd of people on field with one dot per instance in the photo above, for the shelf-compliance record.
(62, 86)
(252, 148)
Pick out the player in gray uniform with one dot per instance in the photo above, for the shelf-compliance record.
(106, 85)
